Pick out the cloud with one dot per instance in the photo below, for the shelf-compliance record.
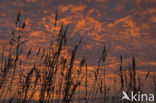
(35, 33)
(153, 63)
(66, 20)
(128, 23)
(153, 19)
(72, 8)
(94, 11)
(130, 28)
(89, 25)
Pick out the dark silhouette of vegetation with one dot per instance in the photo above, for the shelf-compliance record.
(58, 79)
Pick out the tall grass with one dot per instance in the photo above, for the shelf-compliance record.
(57, 78)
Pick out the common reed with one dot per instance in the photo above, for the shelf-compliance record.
(56, 78)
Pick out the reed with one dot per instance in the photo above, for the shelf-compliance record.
(56, 78)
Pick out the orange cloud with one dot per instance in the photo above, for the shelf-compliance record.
(118, 47)
(89, 24)
(35, 33)
(132, 28)
(148, 63)
(66, 20)
(153, 19)
(72, 8)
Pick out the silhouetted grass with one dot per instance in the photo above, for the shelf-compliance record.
(58, 79)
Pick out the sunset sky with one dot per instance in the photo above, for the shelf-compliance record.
(126, 27)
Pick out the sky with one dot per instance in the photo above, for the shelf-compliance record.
(126, 27)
